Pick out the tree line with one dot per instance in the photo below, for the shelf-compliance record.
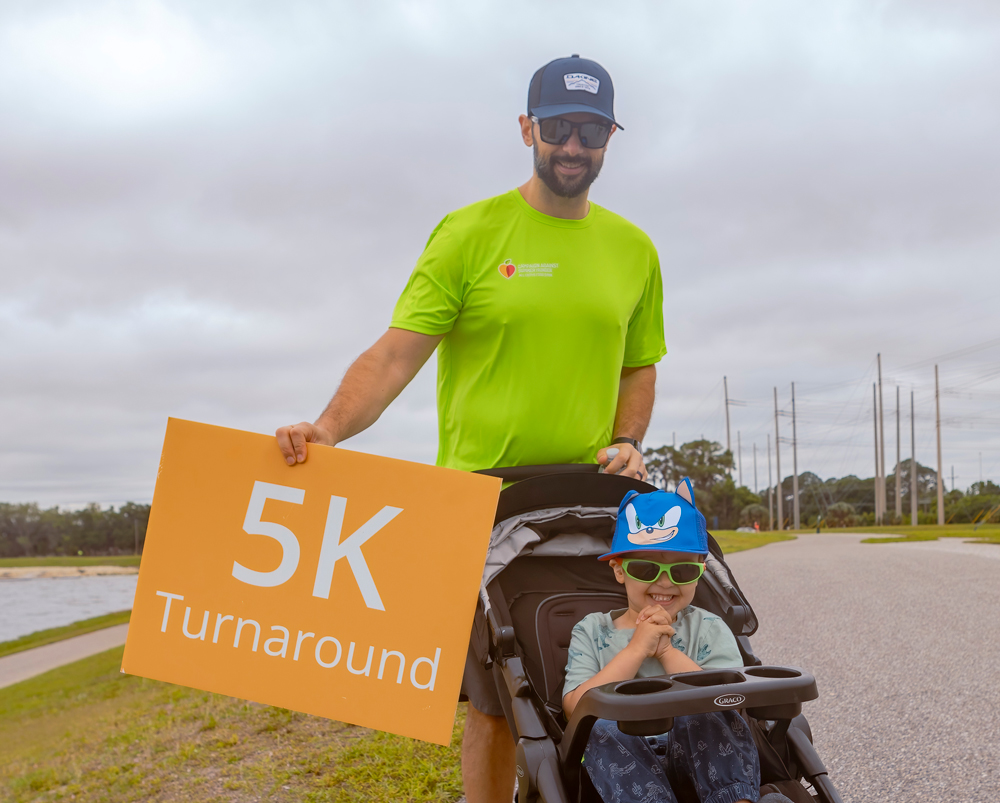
(28, 530)
(836, 502)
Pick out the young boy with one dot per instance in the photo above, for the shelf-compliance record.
(658, 553)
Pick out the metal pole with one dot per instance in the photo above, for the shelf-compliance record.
(725, 390)
(913, 465)
(899, 458)
(675, 440)
(795, 467)
(770, 490)
(881, 431)
(937, 413)
(875, 418)
(953, 478)
(755, 486)
(739, 455)
(779, 491)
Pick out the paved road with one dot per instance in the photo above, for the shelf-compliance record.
(23, 665)
(904, 641)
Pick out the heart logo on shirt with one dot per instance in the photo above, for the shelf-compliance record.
(507, 269)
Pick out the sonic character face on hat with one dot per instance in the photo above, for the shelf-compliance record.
(660, 520)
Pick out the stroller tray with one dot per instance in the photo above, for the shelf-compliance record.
(647, 706)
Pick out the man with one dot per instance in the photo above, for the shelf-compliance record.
(546, 311)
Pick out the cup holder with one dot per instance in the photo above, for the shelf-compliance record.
(716, 677)
(643, 685)
(772, 672)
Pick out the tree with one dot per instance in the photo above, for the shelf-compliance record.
(752, 514)
(841, 514)
(705, 462)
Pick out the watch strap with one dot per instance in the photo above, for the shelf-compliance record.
(633, 441)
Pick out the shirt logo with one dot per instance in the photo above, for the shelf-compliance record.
(582, 81)
(507, 268)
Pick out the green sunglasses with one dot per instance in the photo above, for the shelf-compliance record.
(649, 571)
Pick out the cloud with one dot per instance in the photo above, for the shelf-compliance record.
(208, 211)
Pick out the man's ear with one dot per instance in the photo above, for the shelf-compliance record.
(527, 132)
(685, 490)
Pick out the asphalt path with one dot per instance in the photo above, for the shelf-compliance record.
(28, 663)
(904, 641)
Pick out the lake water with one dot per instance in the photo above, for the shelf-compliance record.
(40, 603)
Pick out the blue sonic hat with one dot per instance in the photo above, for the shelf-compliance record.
(659, 521)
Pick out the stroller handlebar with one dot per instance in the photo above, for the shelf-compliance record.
(647, 706)
(519, 473)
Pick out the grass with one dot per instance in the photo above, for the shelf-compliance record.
(41, 637)
(732, 541)
(71, 560)
(85, 732)
(986, 534)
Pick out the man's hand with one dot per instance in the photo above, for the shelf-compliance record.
(628, 461)
(651, 628)
(292, 440)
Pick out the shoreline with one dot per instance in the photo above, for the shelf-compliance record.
(35, 572)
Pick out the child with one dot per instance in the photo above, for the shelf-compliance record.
(658, 553)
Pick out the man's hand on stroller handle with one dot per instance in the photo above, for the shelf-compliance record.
(624, 459)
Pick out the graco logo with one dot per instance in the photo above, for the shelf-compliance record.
(730, 699)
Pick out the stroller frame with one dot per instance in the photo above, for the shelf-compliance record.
(548, 748)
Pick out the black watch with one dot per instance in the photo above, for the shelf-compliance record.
(633, 441)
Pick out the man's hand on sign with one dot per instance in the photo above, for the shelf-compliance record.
(622, 458)
(292, 440)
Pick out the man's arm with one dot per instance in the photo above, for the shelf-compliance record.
(636, 392)
(374, 379)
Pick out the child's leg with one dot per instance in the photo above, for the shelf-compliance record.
(717, 753)
(623, 768)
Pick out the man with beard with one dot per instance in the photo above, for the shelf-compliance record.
(546, 311)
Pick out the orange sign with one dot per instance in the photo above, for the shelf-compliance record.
(343, 587)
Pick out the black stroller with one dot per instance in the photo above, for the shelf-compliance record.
(542, 578)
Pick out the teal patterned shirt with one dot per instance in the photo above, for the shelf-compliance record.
(700, 635)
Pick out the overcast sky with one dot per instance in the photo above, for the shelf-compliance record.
(208, 209)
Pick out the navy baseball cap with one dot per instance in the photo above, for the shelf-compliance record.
(568, 85)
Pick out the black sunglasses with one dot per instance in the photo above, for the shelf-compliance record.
(557, 131)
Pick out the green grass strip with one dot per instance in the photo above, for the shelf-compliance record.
(71, 560)
(732, 541)
(40, 637)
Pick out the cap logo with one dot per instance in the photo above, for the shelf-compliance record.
(582, 81)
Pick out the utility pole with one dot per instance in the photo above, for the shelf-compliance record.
(675, 440)
(777, 459)
(899, 484)
(755, 468)
(913, 465)
(725, 390)
(881, 430)
(953, 478)
(795, 467)
(770, 489)
(135, 526)
(875, 418)
(937, 413)
(739, 456)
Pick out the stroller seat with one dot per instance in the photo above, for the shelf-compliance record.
(542, 578)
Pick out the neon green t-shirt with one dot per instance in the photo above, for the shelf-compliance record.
(539, 314)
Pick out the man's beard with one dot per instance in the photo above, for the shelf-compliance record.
(568, 187)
